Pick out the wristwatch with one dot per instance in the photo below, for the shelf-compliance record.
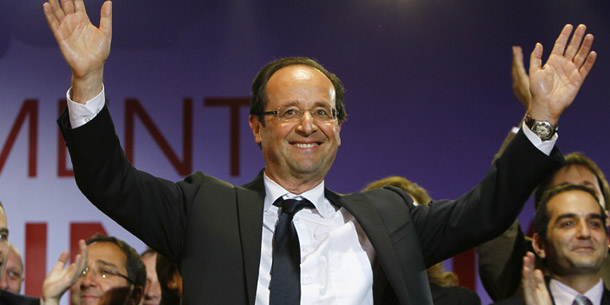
(543, 129)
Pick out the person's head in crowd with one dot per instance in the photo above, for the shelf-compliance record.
(436, 273)
(418, 193)
(570, 235)
(152, 292)
(112, 265)
(581, 170)
(13, 272)
(170, 281)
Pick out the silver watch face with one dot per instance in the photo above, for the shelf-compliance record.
(543, 129)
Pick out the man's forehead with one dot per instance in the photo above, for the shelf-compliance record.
(299, 84)
(106, 253)
(573, 202)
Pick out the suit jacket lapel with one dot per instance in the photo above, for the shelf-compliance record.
(250, 199)
(371, 223)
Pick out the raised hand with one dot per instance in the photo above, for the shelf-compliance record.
(60, 278)
(534, 287)
(555, 85)
(521, 81)
(84, 46)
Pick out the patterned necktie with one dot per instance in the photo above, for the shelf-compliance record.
(285, 286)
(581, 300)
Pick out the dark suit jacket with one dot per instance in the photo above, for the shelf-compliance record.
(9, 298)
(213, 229)
(454, 295)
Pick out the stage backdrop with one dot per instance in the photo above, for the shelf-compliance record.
(428, 97)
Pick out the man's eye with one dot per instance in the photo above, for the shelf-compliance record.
(106, 273)
(291, 112)
(567, 224)
(595, 224)
(320, 112)
(3, 236)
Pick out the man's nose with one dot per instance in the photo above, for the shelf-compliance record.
(583, 230)
(307, 124)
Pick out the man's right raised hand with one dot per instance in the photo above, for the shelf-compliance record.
(84, 46)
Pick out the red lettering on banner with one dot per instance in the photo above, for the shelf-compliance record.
(29, 108)
(62, 169)
(234, 124)
(133, 108)
(463, 266)
(35, 257)
(83, 230)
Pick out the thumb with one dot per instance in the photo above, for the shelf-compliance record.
(106, 18)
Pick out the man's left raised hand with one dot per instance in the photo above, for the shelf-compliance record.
(555, 85)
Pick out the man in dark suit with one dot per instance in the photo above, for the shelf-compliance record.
(355, 249)
(572, 240)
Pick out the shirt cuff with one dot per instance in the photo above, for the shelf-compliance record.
(80, 114)
(544, 146)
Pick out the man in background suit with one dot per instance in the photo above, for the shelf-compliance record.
(373, 248)
(571, 238)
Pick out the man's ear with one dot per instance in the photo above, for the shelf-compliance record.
(538, 245)
(256, 126)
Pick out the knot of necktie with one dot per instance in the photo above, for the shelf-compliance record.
(291, 206)
(581, 300)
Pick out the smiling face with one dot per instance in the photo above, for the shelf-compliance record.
(104, 257)
(577, 242)
(302, 150)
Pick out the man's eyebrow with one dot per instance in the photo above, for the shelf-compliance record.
(564, 216)
(3, 230)
(595, 216)
(105, 263)
(572, 215)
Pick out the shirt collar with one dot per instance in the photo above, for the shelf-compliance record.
(315, 195)
(563, 294)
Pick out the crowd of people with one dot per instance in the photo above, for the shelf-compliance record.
(285, 238)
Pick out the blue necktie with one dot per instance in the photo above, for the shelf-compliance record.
(285, 286)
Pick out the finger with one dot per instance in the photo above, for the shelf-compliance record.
(106, 18)
(579, 59)
(51, 19)
(539, 279)
(579, 33)
(79, 6)
(61, 261)
(536, 58)
(518, 68)
(562, 40)
(68, 6)
(586, 68)
(84, 254)
(57, 10)
(63, 257)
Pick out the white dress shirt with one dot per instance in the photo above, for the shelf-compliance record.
(565, 295)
